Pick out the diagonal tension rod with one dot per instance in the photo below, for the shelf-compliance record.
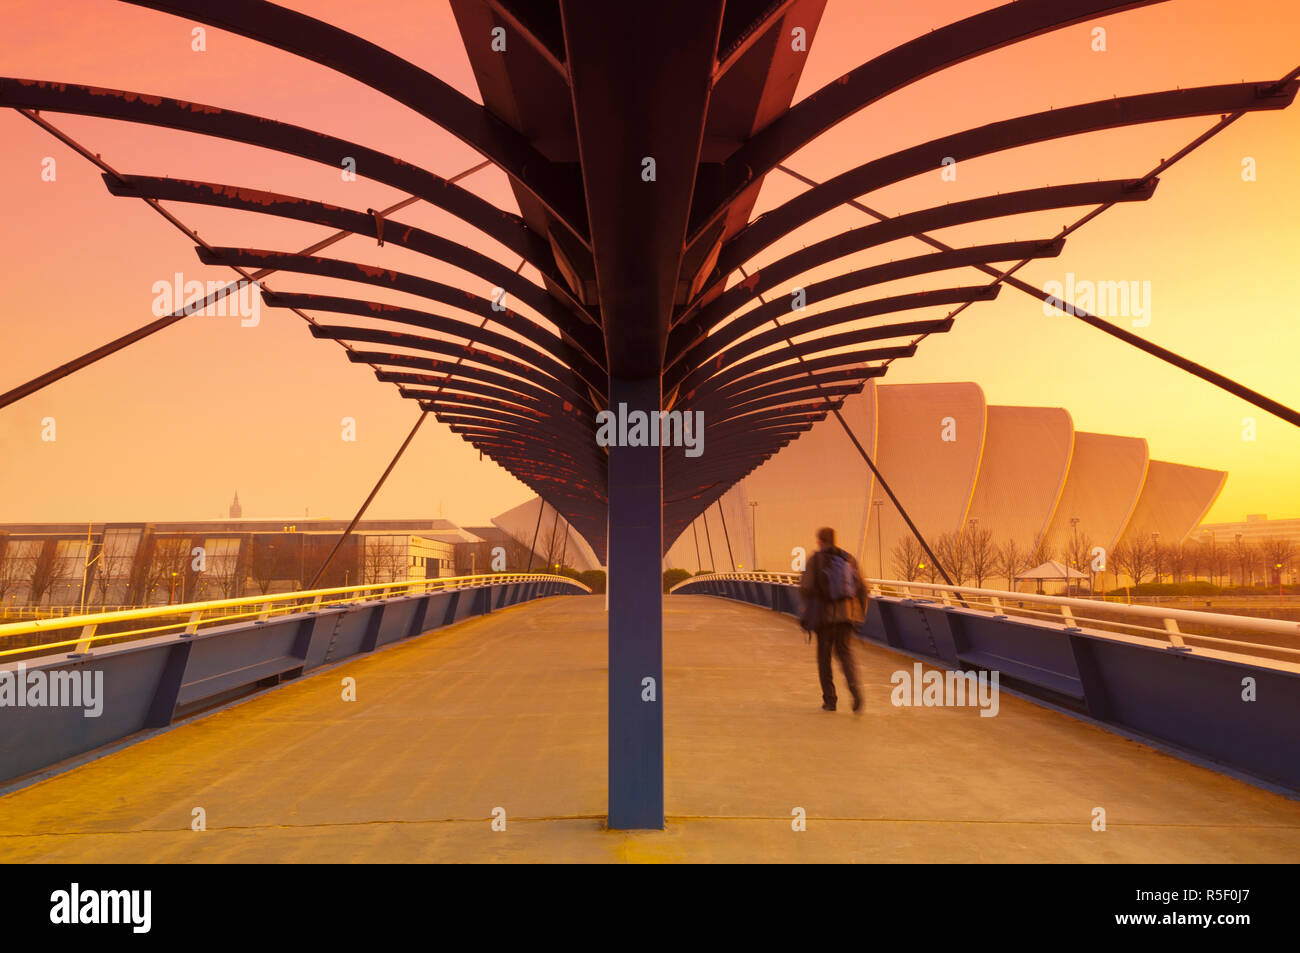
(199, 304)
(1204, 373)
(871, 464)
(392, 463)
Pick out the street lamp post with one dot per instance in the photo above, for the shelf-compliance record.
(753, 527)
(880, 546)
(1072, 556)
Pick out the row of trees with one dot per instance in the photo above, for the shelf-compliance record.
(969, 556)
(550, 548)
(972, 556)
(40, 571)
(1238, 562)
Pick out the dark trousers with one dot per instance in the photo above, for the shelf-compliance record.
(835, 637)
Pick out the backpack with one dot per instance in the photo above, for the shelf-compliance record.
(839, 577)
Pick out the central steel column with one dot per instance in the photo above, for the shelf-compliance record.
(636, 720)
(641, 76)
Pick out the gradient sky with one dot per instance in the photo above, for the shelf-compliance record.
(170, 428)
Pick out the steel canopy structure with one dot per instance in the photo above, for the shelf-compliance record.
(635, 139)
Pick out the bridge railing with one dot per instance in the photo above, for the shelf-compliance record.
(80, 632)
(1213, 686)
(1188, 630)
(142, 669)
(52, 612)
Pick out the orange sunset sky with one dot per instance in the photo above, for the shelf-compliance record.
(171, 427)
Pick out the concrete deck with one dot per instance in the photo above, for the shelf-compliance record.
(509, 711)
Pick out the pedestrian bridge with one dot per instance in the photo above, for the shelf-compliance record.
(486, 739)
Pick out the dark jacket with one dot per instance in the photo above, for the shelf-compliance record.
(819, 609)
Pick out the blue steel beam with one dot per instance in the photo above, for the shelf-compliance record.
(402, 81)
(640, 118)
(574, 373)
(584, 351)
(694, 323)
(564, 311)
(864, 278)
(149, 109)
(887, 73)
(999, 137)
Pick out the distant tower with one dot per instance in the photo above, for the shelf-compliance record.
(236, 511)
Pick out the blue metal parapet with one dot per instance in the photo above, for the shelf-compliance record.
(173, 661)
(1214, 686)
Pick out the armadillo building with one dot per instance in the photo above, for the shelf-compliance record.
(955, 462)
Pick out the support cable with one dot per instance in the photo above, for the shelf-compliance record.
(192, 307)
(1204, 373)
(550, 542)
(400, 450)
(708, 538)
(726, 534)
(532, 549)
(870, 463)
(373, 493)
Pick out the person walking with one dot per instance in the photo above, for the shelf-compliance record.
(835, 600)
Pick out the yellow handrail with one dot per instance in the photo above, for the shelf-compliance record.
(1072, 611)
(196, 613)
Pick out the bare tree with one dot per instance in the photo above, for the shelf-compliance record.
(906, 559)
(222, 573)
(386, 560)
(398, 560)
(1245, 556)
(981, 554)
(1011, 562)
(1134, 557)
(13, 570)
(551, 542)
(1193, 559)
(48, 570)
(114, 564)
(1078, 553)
(930, 567)
(373, 568)
(1212, 558)
(1278, 555)
(265, 558)
(1176, 560)
(1220, 558)
(1159, 558)
(1042, 552)
(167, 566)
(517, 555)
(952, 554)
(342, 568)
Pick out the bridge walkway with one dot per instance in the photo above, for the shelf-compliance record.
(508, 711)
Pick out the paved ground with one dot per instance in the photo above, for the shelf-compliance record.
(509, 711)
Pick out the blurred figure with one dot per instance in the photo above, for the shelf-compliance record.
(835, 600)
